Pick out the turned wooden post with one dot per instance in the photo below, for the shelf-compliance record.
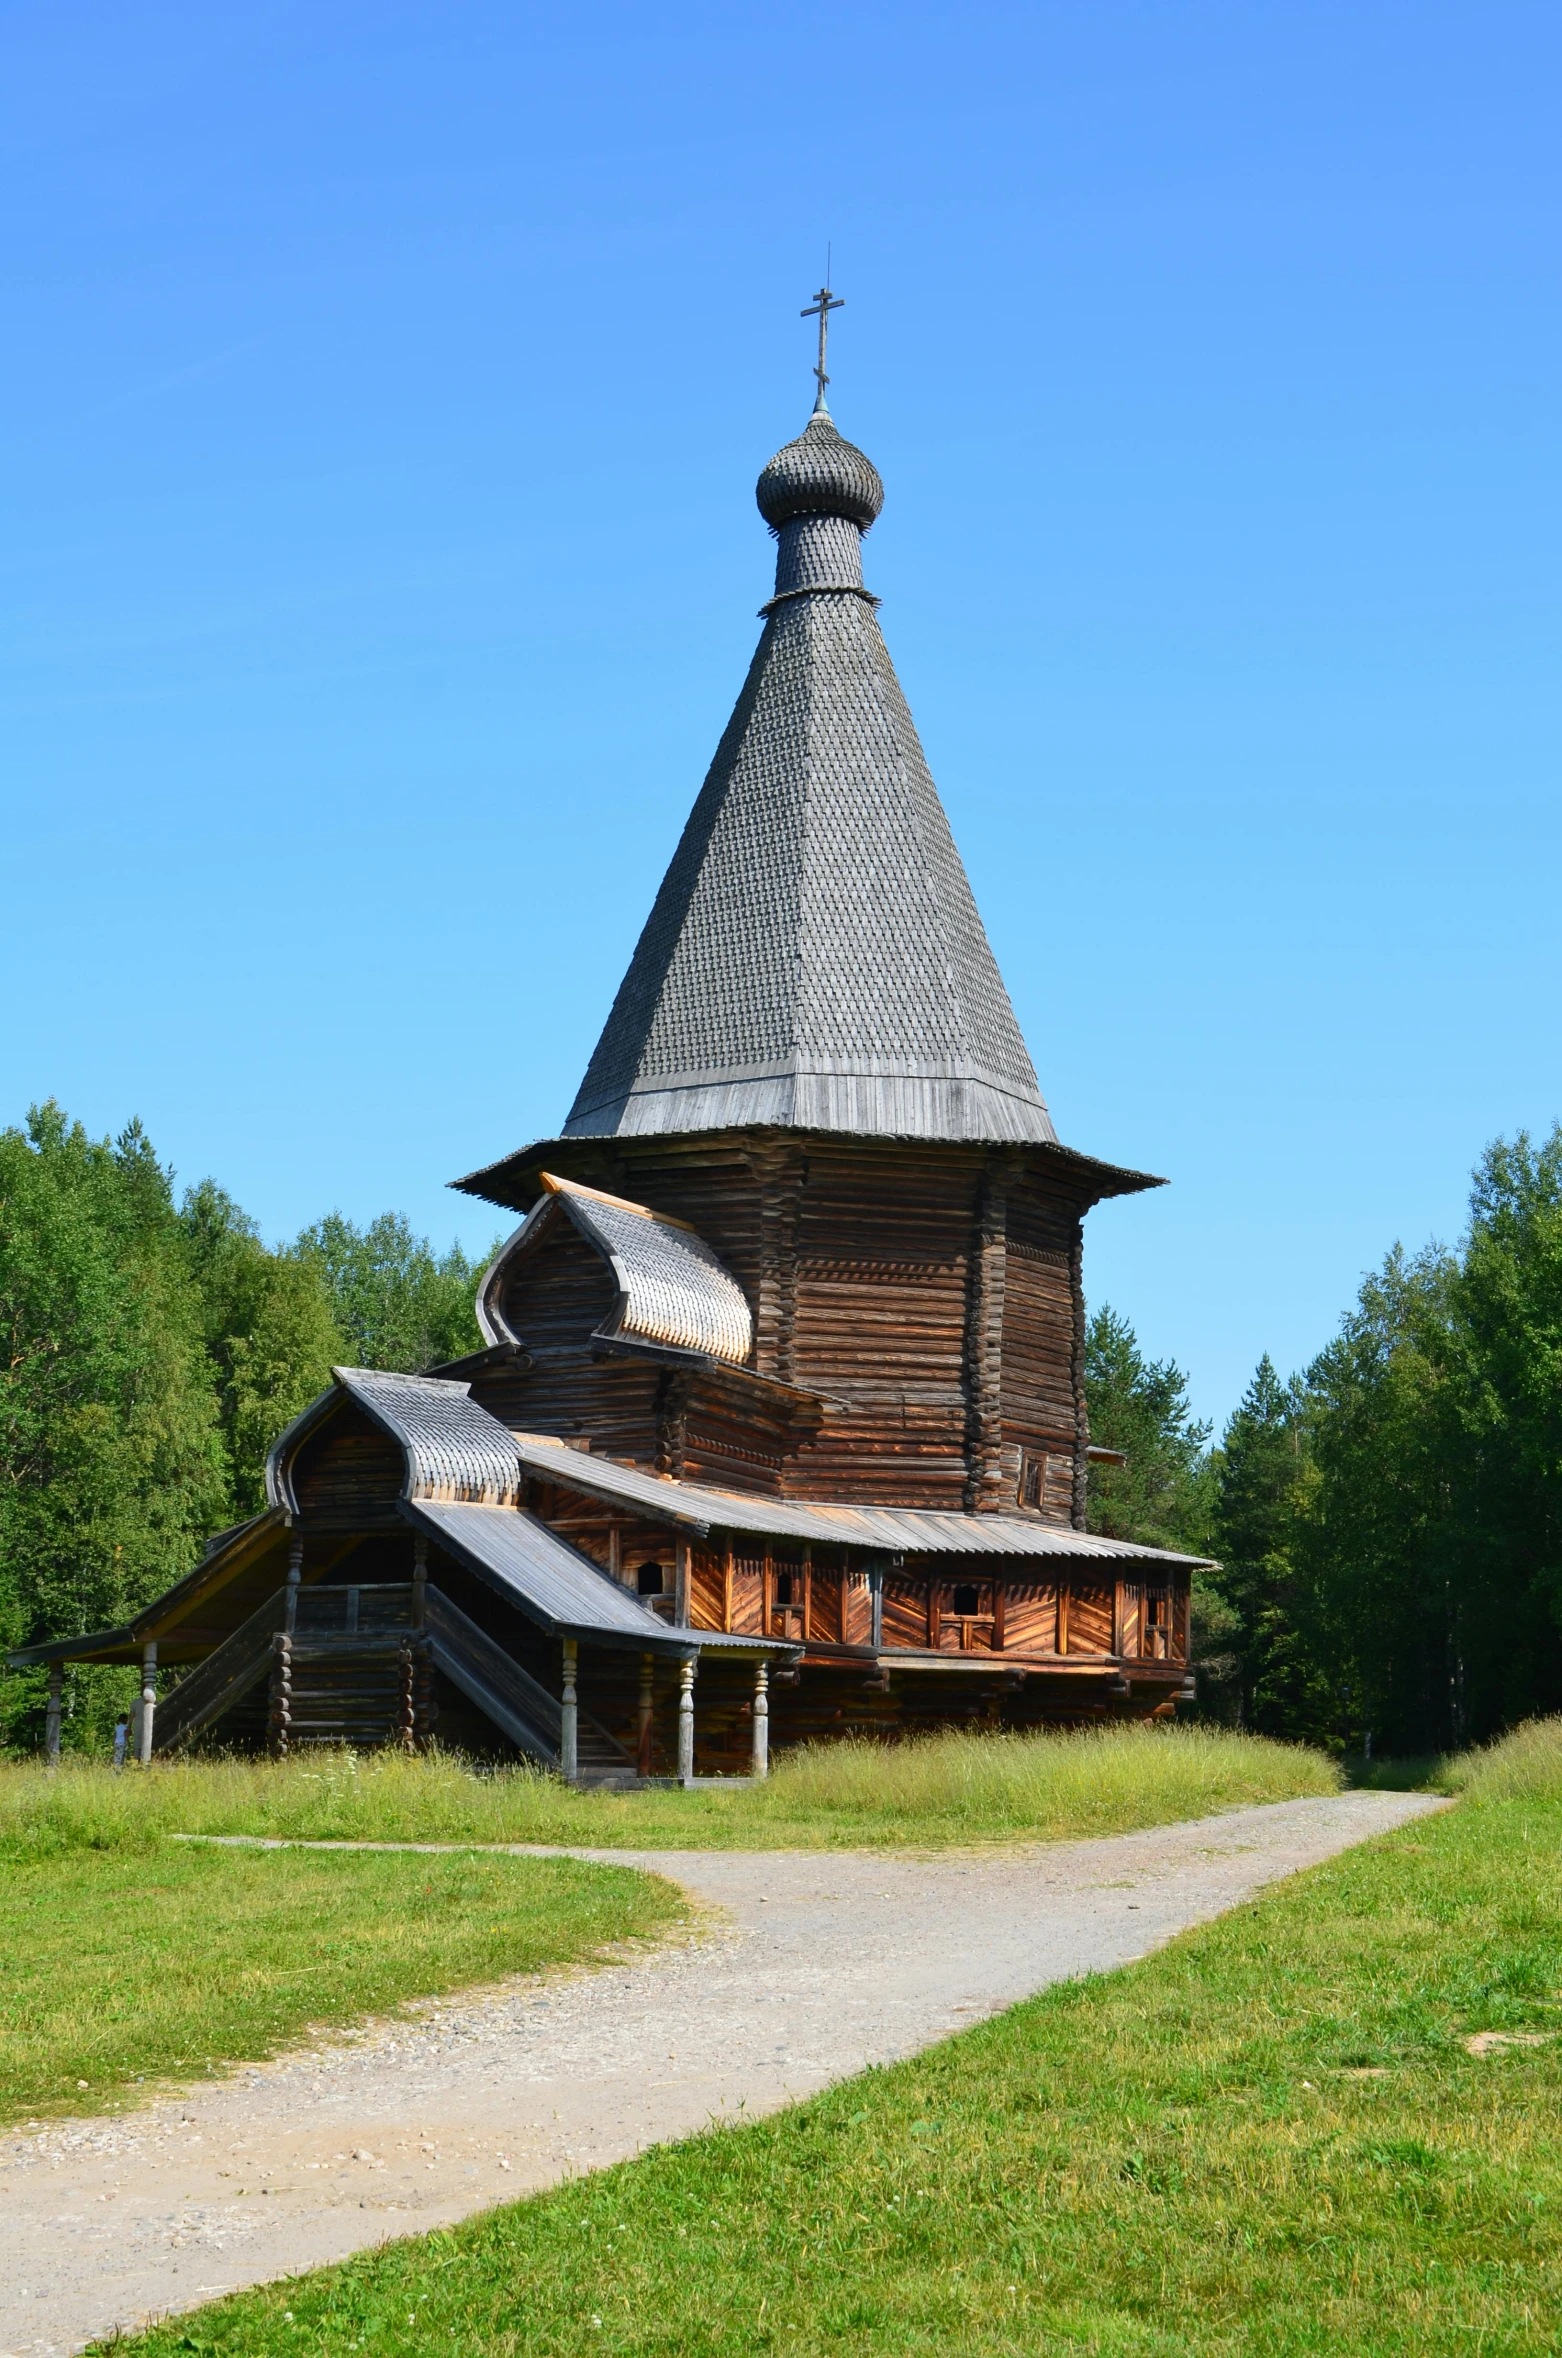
(295, 1576)
(148, 1697)
(419, 1581)
(569, 1718)
(686, 1720)
(761, 1719)
(51, 1718)
(647, 1701)
(281, 1711)
(407, 1699)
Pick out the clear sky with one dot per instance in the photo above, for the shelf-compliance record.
(383, 392)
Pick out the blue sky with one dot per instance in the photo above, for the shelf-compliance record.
(383, 393)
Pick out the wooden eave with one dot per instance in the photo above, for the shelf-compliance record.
(477, 1362)
(1027, 1664)
(234, 1552)
(515, 1180)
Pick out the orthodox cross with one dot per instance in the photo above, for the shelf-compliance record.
(820, 308)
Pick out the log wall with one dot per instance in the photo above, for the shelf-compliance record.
(929, 1291)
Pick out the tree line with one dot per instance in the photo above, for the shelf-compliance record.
(1387, 1524)
(154, 1347)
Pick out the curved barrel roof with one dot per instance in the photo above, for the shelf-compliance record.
(452, 1448)
(672, 1290)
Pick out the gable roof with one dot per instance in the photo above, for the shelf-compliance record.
(672, 1290)
(452, 1448)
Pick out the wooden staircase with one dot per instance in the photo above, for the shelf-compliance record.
(355, 1669)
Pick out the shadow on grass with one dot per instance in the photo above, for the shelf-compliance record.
(1414, 1773)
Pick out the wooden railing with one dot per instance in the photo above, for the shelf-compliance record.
(348, 1623)
(356, 1610)
(238, 1664)
(493, 1680)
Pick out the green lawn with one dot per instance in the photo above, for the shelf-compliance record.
(950, 1788)
(132, 1957)
(1269, 2139)
(123, 1967)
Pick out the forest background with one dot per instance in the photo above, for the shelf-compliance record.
(1386, 1525)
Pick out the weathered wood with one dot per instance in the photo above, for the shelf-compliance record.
(52, 1714)
(569, 1718)
(148, 1699)
(761, 1751)
(686, 1668)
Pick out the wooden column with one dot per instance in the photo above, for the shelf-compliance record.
(726, 1588)
(876, 1605)
(295, 1576)
(51, 1717)
(808, 1591)
(686, 1720)
(681, 1582)
(647, 1707)
(419, 1581)
(672, 1408)
(1076, 1275)
(281, 1708)
(761, 1719)
(985, 1286)
(148, 1697)
(569, 1729)
(407, 1720)
(779, 1171)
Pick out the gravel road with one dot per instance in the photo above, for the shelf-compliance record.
(811, 1966)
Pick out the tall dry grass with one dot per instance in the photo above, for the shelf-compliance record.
(953, 1787)
(1525, 1765)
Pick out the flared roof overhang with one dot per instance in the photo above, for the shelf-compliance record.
(516, 1182)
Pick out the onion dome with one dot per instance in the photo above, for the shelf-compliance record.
(820, 474)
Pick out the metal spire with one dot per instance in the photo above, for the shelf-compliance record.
(820, 308)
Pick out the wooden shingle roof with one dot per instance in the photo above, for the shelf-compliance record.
(814, 958)
(672, 1290)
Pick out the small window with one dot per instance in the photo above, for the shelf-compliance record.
(968, 1600)
(783, 1588)
(1157, 1609)
(648, 1580)
(1031, 1470)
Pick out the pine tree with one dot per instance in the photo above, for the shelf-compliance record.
(1259, 1474)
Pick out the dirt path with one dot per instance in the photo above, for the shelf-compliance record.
(819, 1964)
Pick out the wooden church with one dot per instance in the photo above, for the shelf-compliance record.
(779, 1429)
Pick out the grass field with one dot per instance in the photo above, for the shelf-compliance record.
(131, 1957)
(1270, 2139)
(126, 1967)
(951, 1788)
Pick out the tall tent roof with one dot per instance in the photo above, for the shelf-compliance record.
(814, 958)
